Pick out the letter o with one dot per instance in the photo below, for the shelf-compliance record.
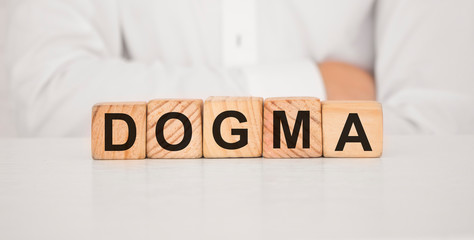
(160, 137)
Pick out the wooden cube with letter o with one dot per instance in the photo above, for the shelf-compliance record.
(174, 128)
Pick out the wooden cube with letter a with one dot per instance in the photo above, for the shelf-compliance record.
(352, 129)
(232, 127)
(119, 130)
(292, 127)
(174, 128)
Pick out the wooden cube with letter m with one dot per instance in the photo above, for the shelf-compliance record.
(292, 127)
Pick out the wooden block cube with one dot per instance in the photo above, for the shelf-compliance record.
(174, 128)
(292, 127)
(119, 130)
(232, 127)
(352, 129)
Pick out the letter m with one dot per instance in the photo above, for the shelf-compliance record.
(279, 119)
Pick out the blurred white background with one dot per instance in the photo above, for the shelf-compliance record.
(6, 128)
(62, 57)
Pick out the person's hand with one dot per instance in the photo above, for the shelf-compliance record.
(347, 82)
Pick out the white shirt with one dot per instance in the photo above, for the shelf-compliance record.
(65, 55)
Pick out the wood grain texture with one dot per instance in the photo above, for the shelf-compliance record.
(291, 106)
(137, 111)
(251, 108)
(174, 128)
(335, 115)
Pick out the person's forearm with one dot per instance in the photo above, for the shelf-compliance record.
(347, 82)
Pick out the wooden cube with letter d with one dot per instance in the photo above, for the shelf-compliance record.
(352, 129)
(119, 130)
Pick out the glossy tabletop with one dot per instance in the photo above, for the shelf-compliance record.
(422, 187)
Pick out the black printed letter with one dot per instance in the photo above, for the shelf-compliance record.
(353, 118)
(243, 133)
(132, 132)
(160, 137)
(279, 117)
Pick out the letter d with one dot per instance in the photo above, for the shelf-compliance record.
(132, 132)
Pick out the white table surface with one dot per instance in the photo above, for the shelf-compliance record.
(422, 187)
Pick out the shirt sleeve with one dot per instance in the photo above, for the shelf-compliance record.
(298, 78)
(424, 71)
(65, 55)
